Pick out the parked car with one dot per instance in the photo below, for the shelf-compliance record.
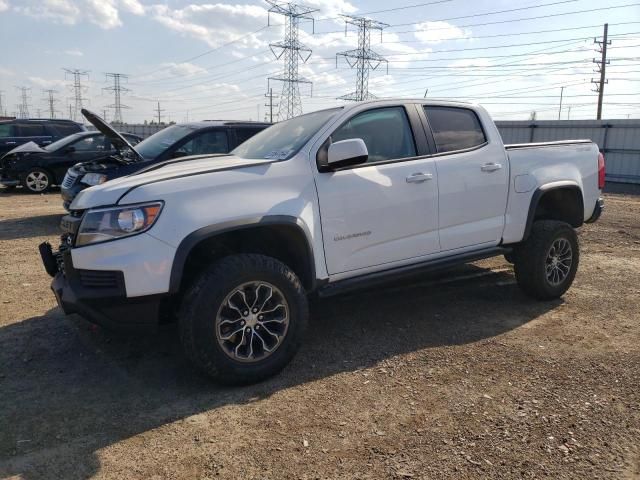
(196, 138)
(14, 133)
(320, 204)
(37, 168)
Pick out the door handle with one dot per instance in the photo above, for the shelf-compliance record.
(491, 167)
(419, 177)
(10, 143)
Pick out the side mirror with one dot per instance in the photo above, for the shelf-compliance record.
(346, 153)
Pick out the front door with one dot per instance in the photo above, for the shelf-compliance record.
(385, 210)
(473, 179)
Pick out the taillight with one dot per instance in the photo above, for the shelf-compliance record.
(601, 171)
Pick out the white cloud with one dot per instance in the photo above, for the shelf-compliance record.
(104, 13)
(4, 5)
(183, 69)
(46, 83)
(7, 72)
(74, 52)
(437, 32)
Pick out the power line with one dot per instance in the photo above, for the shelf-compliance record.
(292, 51)
(78, 90)
(117, 90)
(363, 58)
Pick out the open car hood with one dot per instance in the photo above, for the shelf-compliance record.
(29, 147)
(116, 139)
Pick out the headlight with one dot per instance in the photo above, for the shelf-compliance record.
(94, 178)
(105, 224)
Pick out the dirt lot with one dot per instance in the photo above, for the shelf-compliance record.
(459, 376)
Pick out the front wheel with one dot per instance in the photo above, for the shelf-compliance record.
(37, 180)
(547, 262)
(243, 319)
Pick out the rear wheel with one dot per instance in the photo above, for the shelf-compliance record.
(37, 180)
(547, 262)
(243, 319)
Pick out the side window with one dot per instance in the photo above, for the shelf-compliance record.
(62, 129)
(6, 130)
(89, 144)
(214, 141)
(385, 131)
(455, 128)
(244, 134)
(31, 130)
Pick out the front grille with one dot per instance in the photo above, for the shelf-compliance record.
(69, 179)
(100, 278)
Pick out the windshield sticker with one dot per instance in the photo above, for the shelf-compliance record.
(278, 154)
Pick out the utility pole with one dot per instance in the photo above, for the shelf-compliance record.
(78, 90)
(3, 112)
(117, 90)
(159, 112)
(70, 115)
(560, 109)
(23, 106)
(293, 51)
(363, 58)
(270, 96)
(51, 102)
(569, 113)
(104, 114)
(426, 92)
(602, 64)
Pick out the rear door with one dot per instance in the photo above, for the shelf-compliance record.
(7, 138)
(386, 210)
(473, 179)
(242, 134)
(33, 132)
(89, 147)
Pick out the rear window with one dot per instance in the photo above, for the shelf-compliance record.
(455, 128)
(31, 130)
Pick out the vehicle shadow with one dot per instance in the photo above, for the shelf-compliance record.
(29, 227)
(69, 389)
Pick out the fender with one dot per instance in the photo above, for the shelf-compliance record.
(190, 241)
(537, 195)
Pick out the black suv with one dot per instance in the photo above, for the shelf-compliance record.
(43, 132)
(197, 138)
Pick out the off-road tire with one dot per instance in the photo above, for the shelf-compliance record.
(197, 317)
(37, 175)
(530, 259)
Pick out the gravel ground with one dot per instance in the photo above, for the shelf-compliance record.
(456, 376)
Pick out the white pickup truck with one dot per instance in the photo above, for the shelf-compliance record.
(338, 199)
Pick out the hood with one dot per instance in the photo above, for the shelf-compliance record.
(109, 193)
(29, 147)
(116, 139)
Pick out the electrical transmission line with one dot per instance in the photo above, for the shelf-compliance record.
(51, 102)
(363, 58)
(78, 90)
(23, 106)
(601, 67)
(117, 90)
(293, 51)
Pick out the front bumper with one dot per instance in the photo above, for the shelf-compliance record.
(9, 180)
(98, 295)
(69, 193)
(597, 211)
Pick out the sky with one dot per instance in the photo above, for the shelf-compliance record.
(208, 60)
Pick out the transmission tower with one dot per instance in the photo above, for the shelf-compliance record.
(117, 90)
(51, 102)
(159, 113)
(3, 111)
(362, 58)
(293, 51)
(23, 106)
(77, 90)
(601, 68)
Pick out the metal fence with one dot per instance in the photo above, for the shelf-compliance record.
(619, 140)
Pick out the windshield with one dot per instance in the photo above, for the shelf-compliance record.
(52, 147)
(156, 144)
(283, 140)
